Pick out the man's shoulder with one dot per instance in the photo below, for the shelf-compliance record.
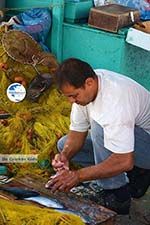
(116, 78)
(111, 75)
(105, 72)
(102, 71)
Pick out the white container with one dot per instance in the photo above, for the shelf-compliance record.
(138, 38)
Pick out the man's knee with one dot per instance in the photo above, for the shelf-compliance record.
(61, 142)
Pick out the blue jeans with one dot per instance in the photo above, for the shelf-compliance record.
(94, 152)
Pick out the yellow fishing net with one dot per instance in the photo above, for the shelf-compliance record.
(20, 214)
(34, 127)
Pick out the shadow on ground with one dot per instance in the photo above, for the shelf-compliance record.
(139, 213)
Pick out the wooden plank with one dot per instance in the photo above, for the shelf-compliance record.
(97, 214)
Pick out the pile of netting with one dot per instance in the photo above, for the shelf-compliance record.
(12, 213)
(33, 127)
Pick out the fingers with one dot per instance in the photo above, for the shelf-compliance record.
(58, 181)
(63, 181)
(47, 185)
(58, 157)
(57, 163)
(60, 162)
(56, 184)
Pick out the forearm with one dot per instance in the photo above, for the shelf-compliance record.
(112, 166)
(74, 143)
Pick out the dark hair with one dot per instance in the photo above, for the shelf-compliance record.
(73, 71)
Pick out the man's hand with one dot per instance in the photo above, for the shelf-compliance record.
(63, 181)
(60, 162)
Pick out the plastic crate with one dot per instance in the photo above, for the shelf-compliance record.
(77, 11)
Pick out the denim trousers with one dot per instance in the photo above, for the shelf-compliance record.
(94, 152)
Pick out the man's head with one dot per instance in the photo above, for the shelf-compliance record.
(77, 81)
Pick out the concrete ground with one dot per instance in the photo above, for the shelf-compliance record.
(139, 213)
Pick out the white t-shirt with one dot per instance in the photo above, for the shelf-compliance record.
(121, 103)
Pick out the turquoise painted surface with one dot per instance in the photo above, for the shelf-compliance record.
(100, 49)
(136, 64)
(106, 50)
(28, 3)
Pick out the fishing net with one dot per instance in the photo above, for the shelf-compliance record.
(12, 213)
(20, 46)
(34, 127)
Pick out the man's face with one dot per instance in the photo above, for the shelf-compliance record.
(82, 95)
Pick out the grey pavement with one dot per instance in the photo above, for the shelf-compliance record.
(139, 213)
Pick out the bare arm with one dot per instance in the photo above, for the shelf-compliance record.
(74, 143)
(112, 166)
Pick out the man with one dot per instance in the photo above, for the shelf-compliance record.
(116, 110)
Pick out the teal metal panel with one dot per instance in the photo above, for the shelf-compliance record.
(54, 40)
(136, 64)
(57, 28)
(99, 48)
(107, 50)
(27, 3)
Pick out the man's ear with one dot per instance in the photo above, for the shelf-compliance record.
(89, 81)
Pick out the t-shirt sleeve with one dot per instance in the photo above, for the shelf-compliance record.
(79, 118)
